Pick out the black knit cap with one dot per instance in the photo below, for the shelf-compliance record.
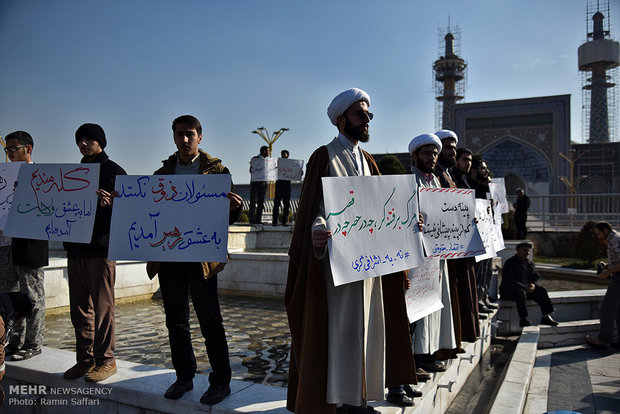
(92, 131)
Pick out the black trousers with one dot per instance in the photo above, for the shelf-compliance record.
(283, 193)
(521, 229)
(258, 190)
(539, 295)
(175, 280)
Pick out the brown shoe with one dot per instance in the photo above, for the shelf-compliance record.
(101, 372)
(79, 369)
(422, 375)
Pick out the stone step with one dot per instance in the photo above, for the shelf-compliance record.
(567, 333)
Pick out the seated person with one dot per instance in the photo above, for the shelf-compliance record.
(520, 282)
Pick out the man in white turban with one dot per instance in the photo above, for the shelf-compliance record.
(435, 331)
(340, 335)
(447, 157)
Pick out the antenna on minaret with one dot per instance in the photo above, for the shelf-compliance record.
(598, 59)
(449, 75)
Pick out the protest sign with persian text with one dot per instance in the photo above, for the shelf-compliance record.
(449, 228)
(497, 188)
(486, 228)
(424, 295)
(179, 218)
(374, 224)
(54, 202)
(8, 177)
(290, 170)
(263, 169)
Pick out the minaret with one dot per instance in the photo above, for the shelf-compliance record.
(449, 69)
(598, 56)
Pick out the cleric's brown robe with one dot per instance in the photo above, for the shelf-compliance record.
(306, 307)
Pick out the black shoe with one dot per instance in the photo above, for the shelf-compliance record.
(483, 316)
(524, 322)
(411, 392)
(26, 353)
(215, 394)
(178, 388)
(422, 375)
(400, 399)
(10, 350)
(484, 309)
(548, 320)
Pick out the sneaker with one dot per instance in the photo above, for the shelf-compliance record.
(79, 369)
(25, 353)
(215, 394)
(101, 372)
(524, 322)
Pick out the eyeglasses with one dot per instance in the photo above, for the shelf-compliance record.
(10, 150)
(363, 114)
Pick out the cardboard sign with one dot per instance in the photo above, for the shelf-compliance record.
(374, 224)
(290, 170)
(263, 169)
(178, 218)
(54, 202)
(449, 228)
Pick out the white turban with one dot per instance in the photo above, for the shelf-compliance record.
(446, 133)
(422, 140)
(343, 101)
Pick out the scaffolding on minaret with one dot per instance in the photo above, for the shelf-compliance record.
(599, 57)
(449, 75)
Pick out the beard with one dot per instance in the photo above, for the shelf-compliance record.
(425, 168)
(447, 162)
(356, 133)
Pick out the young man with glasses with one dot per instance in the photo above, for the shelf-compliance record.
(28, 258)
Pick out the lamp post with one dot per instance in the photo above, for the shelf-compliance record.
(570, 182)
(270, 139)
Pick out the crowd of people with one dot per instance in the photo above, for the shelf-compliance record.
(348, 342)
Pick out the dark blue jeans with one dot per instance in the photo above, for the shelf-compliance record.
(175, 281)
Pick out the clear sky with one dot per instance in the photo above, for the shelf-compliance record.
(132, 66)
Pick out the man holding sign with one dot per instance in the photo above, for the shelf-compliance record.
(91, 275)
(176, 279)
(349, 340)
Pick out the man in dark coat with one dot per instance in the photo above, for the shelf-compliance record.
(520, 282)
(521, 206)
(91, 275)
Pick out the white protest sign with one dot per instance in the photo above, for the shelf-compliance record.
(424, 295)
(263, 169)
(486, 228)
(290, 170)
(54, 202)
(179, 218)
(449, 230)
(497, 188)
(8, 176)
(374, 224)
(498, 239)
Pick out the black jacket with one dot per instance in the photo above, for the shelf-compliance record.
(28, 252)
(518, 274)
(98, 246)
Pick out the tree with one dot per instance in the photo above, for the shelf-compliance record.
(390, 165)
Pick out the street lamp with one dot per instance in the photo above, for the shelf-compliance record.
(269, 139)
